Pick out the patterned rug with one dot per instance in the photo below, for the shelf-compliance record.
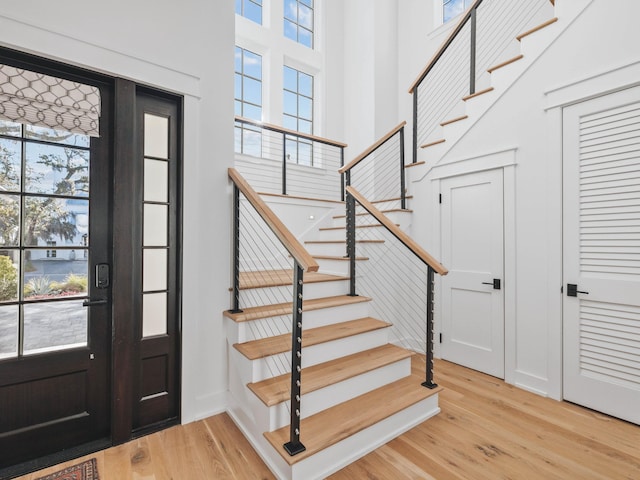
(83, 471)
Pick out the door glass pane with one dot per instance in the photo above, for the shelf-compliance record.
(156, 136)
(53, 273)
(52, 326)
(57, 170)
(155, 226)
(9, 220)
(9, 165)
(154, 314)
(154, 273)
(59, 220)
(156, 181)
(8, 331)
(9, 276)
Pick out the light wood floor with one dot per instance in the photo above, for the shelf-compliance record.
(486, 430)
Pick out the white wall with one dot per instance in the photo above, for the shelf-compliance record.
(596, 54)
(182, 47)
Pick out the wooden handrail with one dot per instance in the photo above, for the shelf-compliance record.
(364, 154)
(276, 128)
(291, 243)
(417, 250)
(425, 71)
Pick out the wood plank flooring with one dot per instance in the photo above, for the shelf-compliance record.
(486, 430)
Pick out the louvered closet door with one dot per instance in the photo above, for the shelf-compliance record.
(602, 254)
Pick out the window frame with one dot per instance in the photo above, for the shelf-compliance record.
(295, 23)
(299, 143)
(243, 131)
(241, 10)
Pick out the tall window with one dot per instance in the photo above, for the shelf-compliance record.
(298, 21)
(453, 8)
(251, 9)
(298, 113)
(248, 100)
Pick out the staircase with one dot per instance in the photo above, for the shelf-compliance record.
(437, 132)
(358, 390)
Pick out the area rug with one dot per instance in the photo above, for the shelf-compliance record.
(87, 470)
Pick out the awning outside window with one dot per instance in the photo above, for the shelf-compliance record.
(46, 101)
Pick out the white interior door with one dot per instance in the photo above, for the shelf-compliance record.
(472, 249)
(601, 150)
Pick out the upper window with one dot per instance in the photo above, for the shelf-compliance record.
(251, 9)
(248, 84)
(298, 113)
(298, 21)
(453, 8)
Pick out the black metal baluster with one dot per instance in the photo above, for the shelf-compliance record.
(284, 164)
(342, 174)
(236, 250)
(415, 125)
(472, 58)
(351, 237)
(429, 362)
(403, 194)
(294, 446)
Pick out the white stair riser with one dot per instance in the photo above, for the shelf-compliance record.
(311, 403)
(334, 249)
(333, 267)
(476, 106)
(239, 332)
(432, 154)
(279, 364)
(533, 45)
(502, 78)
(254, 297)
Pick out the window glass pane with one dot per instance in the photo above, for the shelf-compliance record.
(306, 84)
(57, 136)
(239, 7)
(156, 180)
(253, 11)
(305, 127)
(154, 314)
(252, 143)
(252, 65)
(53, 273)
(155, 225)
(156, 136)
(291, 10)
(292, 150)
(238, 60)
(56, 170)
(308, 3)
(62, 221)
(452, 8)
(305, 37)
(305, 17)
(9, 220)
(154, 269)
(8, 331)
(238, 139)
(290, 106)
(304, 153)
(238, 86)
(54, 326)
(290, 30)
(252, 91)
(290, 79)
(10, 128)
(238, 108)
(290, 123)
(9, 276)
(252, 112)
(10, 169)
(305, 107)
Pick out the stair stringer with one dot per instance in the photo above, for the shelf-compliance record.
(502, 80)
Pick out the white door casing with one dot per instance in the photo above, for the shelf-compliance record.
(601, 254)
(472, 229)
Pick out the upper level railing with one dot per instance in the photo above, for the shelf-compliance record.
(264, 251)
(379, 171)
(398, 275)
(485, 35)
(287, 162)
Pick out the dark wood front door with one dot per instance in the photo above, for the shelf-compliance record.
(55, 314)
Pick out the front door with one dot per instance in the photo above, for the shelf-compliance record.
(55, 312)
(472, 249)
(601, 157)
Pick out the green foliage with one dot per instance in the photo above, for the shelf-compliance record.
(8, 279)
(38, 286)
(72, 283)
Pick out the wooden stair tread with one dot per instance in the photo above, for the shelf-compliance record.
(264, 311)
(334, 257)
(453, 120)
(392, 210)
(539, 27)
(414, 164)
(431, 144)
(505, 63)
(395, 199)
(275, 390)
(477, 94)
(330, 426)
(310, 242)
(275, 278)
(255, 349)
(374, 225)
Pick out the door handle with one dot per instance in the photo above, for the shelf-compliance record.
(496, 283)
(92, 303)
(572, 290)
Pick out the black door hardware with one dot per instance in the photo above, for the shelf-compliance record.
(92, 303)
(496, 283)
(572, 290)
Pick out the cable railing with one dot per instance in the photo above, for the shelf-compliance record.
(379, 171)
(398, 276)
(280, 161)
(269, 264)
(485, 35)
